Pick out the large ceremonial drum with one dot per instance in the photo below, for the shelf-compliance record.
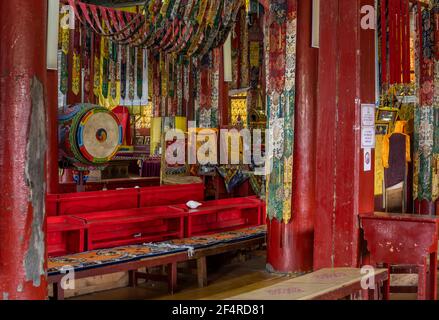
(89, 134)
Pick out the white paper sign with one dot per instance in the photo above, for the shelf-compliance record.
(367, 115)
(367, 160)
(367, 137)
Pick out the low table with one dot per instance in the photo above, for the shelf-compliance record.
(325, 284)
(405, 240)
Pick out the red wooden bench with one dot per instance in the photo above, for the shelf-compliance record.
(405, 240)
(170, 194)
(65, 235)
(84, 202)
(222, 215)
(109, 229)
(169, 260)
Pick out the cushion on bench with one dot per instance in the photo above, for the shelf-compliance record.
(119, 255)
(199, 242)
(106, 257)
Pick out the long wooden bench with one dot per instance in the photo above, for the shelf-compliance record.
(325, 284)
(176, 254)
(169, 260)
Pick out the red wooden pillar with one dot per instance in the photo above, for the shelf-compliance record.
(290, 246)
(22, 149)
(346, 79)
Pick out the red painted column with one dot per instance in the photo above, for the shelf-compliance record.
(290, 246)
(22, 149)
(346, 79)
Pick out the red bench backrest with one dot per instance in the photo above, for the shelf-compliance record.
(171, 194)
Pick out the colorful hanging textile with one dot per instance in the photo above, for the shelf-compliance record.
(64, 45)
(179, 88)
(236, 43)
(112, 69)
(394, 35)
(180, 27)
(280, 30)
(140, 66)
(215, 75)
(426, 136)
(123, 72)
(105, 67)
(244, 51)
(150, 77)
(76, 67)
(86, 61)
(131, 73)
(97, 63)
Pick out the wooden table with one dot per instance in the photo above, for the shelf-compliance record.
(325, 284)
(405, 239)
(169, 260)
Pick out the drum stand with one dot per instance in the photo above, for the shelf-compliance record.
(81, 180)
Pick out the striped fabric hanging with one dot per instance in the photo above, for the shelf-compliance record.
(395, 42)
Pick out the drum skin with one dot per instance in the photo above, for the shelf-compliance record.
(89, 134)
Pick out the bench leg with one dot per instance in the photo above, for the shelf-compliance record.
(432, 283)
(368, 294)
(172, 277)
(202, 272)
(132, 278)
(58, 292)
(386, 285)
(422, 282)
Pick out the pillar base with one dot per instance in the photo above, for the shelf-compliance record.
(288, 250)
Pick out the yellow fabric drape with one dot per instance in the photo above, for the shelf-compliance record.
(399, 128)
(379, 168)
(181, 123)
(156, 132)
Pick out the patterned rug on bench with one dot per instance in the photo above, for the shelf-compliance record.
(200, 242)
(106, 257)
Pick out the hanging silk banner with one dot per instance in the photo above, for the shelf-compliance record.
(244, 51)
(105, 67)
(280, 30)
(426, 136)
(97, 63)
(180, 87)
(87, 56)
(113, 69)
(140, 73)
(76, 62)
(123, 72)
(131, 73)
(64, 45)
